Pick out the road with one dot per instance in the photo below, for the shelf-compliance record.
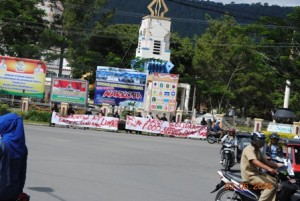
(83, 165)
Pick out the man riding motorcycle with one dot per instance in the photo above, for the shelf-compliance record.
(252, 164)
(229, 139)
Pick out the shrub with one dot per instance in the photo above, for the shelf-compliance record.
(35, 115)
(3, 108)
(282, 135)
(24, 115)
(39, 116)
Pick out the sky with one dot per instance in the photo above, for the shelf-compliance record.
(270, 2)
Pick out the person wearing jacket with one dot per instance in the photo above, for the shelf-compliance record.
(13, 157)
(273, 149)
(230, 139)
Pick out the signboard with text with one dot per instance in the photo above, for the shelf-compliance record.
(22, 77)
(69, 91)
(121, 87)
(164, 92)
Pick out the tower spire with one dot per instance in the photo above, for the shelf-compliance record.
(158, 6)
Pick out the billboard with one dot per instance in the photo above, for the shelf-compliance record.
(22, 77)
(121, 87)
(69, 91)
(164, 92)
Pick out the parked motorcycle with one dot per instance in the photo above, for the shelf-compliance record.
(228, 151)
(213, 137)
(232, 187)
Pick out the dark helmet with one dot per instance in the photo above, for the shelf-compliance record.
(231, 130)
(258, 139)
(274, 136)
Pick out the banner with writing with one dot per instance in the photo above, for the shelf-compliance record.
(283, 128)
(164, 92)
(164, 127)
(119, 86)
(91, 121)
(69, 90)
(22, 77)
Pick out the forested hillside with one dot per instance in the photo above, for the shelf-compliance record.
(188, 17)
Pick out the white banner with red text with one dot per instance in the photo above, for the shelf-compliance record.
(165, 128)
(89, 121)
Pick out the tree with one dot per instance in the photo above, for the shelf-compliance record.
(231, 73)
(280, 50)
(21, 28)
(93, 41)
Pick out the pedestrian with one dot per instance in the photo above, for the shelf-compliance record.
(139, 114)
(13, 157)
(163, 118)
(101, 113)
(116, 115)
(87, 112)
(127, 130)
(187, 120)
(70, 110)
(149, 116)
(53, 109)
(203, 122)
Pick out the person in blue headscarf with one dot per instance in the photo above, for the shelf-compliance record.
(13, 157)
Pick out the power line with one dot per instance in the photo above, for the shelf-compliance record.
(104, 34)
(176, 19)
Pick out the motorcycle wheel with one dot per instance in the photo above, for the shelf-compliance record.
(224, 195)
(226, 162)
(210, 139)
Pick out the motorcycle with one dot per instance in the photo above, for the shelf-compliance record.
(232, 187)
(228, 158)
(213, 137)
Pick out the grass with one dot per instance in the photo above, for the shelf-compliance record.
(35, 122)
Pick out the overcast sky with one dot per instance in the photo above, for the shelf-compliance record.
(270, 2)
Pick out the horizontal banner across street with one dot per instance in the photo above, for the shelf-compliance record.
(165, 128)
(89, 121)
(133, 123)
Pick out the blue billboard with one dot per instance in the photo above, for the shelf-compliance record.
(120, 87)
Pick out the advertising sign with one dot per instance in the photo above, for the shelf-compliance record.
(276, 127)
(22, 77)
(164, 92)
(121, 87)
(69, 91)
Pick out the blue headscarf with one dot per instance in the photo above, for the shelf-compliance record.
(13, 135)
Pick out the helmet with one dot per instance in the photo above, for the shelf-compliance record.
(274, 136)
(231, 130)
(258, 139)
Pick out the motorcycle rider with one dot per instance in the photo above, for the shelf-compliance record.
(274, 149)
(217, 129)
(253, 161)
(228, 139)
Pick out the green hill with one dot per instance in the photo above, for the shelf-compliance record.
(188, 17)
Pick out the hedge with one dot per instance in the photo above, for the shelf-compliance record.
(4, 109)
(35, 115)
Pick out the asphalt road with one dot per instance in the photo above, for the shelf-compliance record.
(84, 165)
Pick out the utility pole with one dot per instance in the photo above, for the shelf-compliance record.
(194, 95)
(61, 60)
(194, 98)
